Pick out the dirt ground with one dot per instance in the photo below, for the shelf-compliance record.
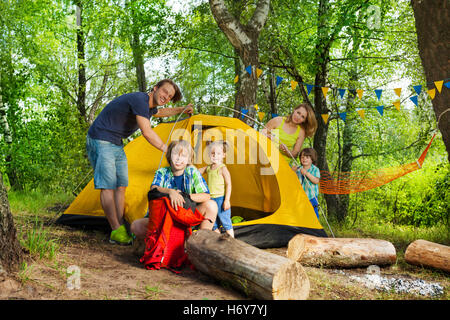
(112, 272)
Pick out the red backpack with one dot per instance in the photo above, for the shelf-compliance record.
(167, 231)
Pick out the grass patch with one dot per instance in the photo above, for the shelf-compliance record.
(38, 242)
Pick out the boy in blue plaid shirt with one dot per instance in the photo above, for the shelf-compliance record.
(309, 176)
(181, 176)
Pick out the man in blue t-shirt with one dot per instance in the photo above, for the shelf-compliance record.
(118, 120)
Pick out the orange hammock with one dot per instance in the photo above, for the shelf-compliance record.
(351, 182)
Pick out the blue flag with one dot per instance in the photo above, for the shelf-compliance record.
(378, 93)
(274, 115)
(309, 87)
(414, 99)
(249, 70)
(380, 109)
(447, 84)
(343, 115)
(342, 92)
(244, 111)
(418, 89)
(279, 79)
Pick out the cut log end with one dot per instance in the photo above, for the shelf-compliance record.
(290, 283)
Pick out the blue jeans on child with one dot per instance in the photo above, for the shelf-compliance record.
(223, 217)
(315, 205)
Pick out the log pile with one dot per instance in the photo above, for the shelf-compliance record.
(428, 254)
(257, 273)
(340, 252)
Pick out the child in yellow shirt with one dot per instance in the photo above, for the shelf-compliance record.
(219, 183)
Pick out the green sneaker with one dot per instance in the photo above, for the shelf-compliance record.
(120, 236)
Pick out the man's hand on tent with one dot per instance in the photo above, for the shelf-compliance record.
(189, 109)
(176, 199)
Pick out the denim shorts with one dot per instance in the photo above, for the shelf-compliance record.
(223, 217)
(109, 162)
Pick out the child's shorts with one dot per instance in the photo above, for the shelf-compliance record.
(223, 217)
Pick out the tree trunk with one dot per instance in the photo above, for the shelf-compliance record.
(433, 38)
(257, 273)
(10, 250)
(81, 93)
(138, 61)
(244, 40)
(428, 254)
(340, 252)
(138, 50)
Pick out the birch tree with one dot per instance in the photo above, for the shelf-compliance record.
(244, 39)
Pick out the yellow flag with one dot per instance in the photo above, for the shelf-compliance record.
(432, 93)
(325, 117)
(325, 91)
(439, 84)
(361, 113)
(398, 91)
(293, 84)
(258, 72)
(256, 106)
(360, 93)
(397, 105)
(261, 115)
(236, 79)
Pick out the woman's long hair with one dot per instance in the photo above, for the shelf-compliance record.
(310, 124)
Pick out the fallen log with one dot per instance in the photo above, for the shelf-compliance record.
(257, 273)
(340, 252)
(428, 254)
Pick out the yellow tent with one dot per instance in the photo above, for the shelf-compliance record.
(265, 191)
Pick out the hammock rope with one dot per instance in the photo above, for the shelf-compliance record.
(358, 181)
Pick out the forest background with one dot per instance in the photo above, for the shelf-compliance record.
(62, 61)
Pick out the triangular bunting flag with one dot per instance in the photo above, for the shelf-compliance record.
(279, 79)
(439, 84)
(325, 117)
(293, 84)
(432, 93)
(447, 84)
(236, 79)
(378, 93)
(244, 111)
(325, 91)
(309, 87)
(361, 113)
(380, 109)
(261, 115)
(258, 72)
(397, 105)
(343, 115)
(418, 89)
(341, 93)
(256, 107)
(398, 91)
(360, 93)
(274, 115)
(249, 70)
(414, 99)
